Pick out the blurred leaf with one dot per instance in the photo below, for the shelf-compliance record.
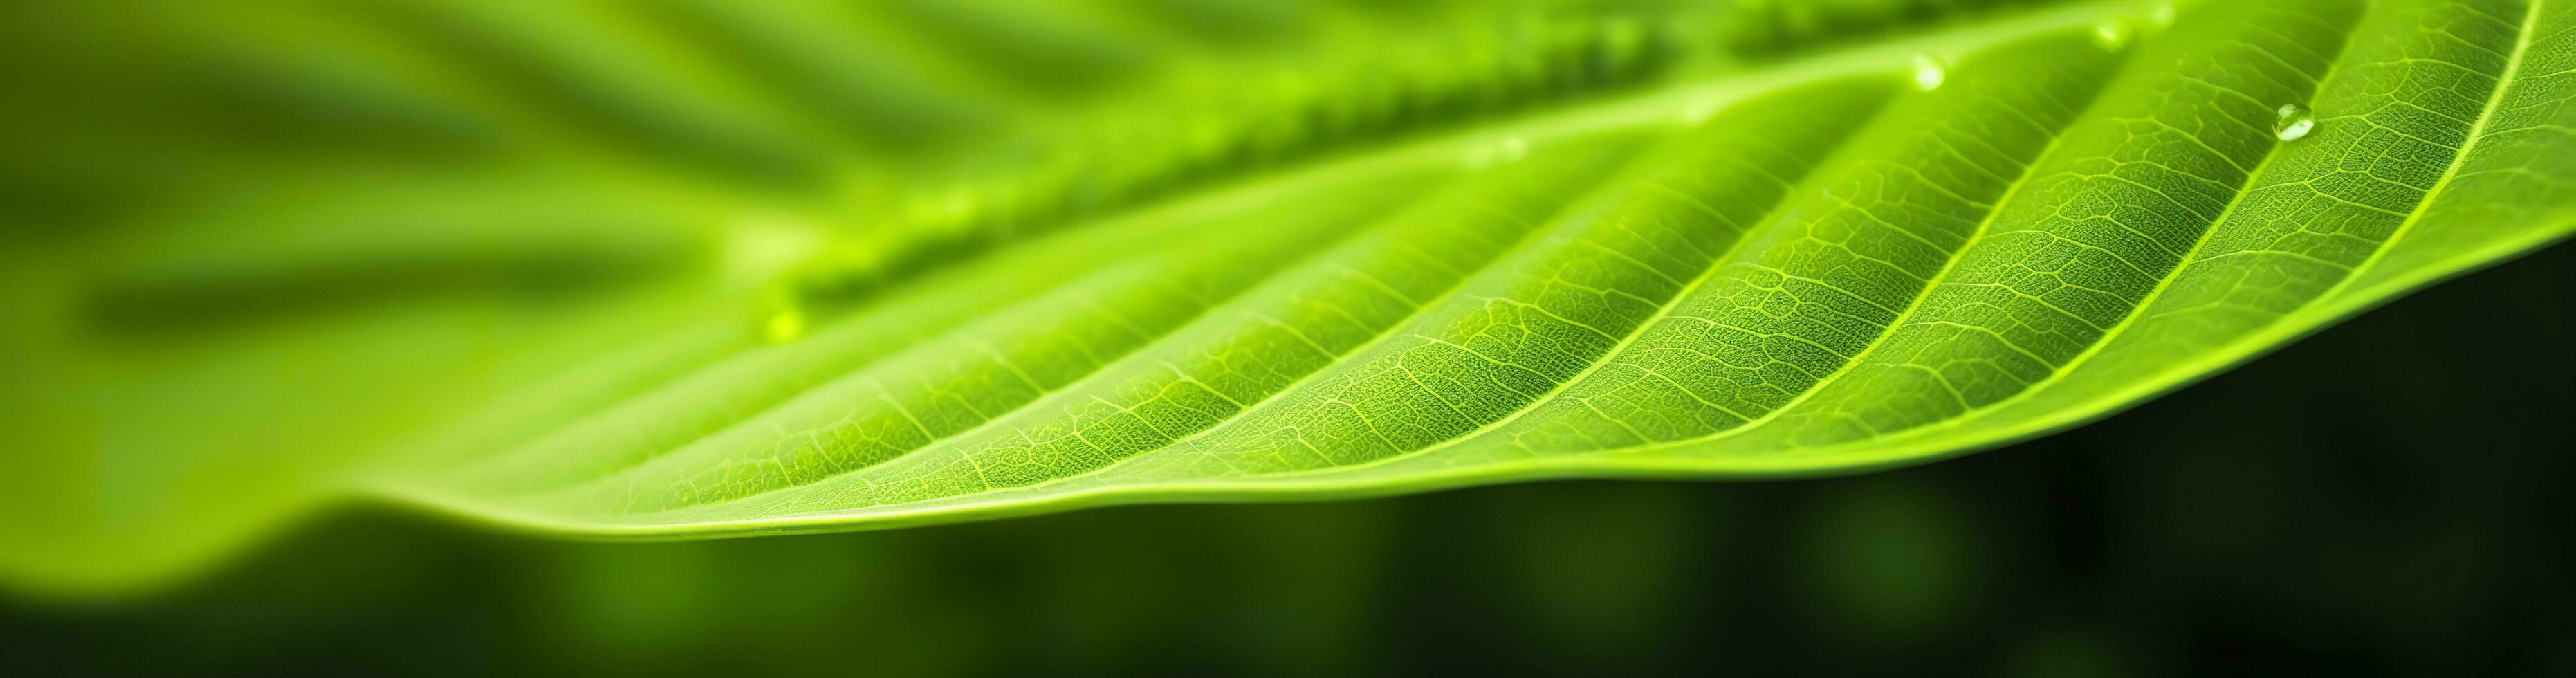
(682, 268)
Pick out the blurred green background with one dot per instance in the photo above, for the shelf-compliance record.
(2387, 498)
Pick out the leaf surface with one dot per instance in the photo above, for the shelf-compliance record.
(1375, 275)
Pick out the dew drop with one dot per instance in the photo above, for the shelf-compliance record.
(1929, 72)
(2292, 121)
(784, 326)
(2111, 35)
(2162, 15)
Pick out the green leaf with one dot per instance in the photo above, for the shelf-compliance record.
(702, 270)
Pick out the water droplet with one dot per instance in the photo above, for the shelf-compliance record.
(2292, 121)
(1929, 71)
(2111, 35)
(784, 326)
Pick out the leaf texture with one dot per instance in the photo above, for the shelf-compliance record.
(1699, 261)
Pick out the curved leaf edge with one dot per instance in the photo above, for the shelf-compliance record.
(1922, 446)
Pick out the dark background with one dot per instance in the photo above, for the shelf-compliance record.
(2389, 497)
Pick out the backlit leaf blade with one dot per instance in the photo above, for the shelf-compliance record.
(1703, 261)
(2057, 230)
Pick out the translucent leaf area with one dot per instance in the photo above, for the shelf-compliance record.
(675, 268)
